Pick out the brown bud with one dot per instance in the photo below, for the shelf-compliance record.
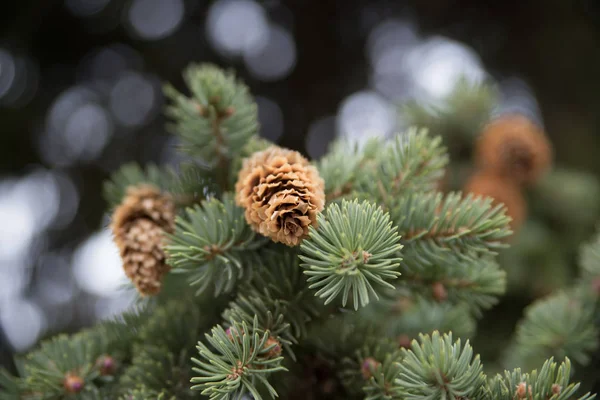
(556, 388)
(107, 365)
(201, 109)
(73, 383)
(440, 294)
(404, 341)
(275, 351)
(596, 285)
(521, 390)
(228, 112)
(368, 367)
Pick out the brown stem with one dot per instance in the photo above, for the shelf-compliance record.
(222, 163)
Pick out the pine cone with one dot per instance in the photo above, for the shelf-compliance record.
(514, 147)
(503, 191)
(281, 193)
(138, 225)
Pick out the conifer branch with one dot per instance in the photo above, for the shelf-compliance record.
(462, 113)
(559, 326)
(549, 382)
(373, 370)
(279, 286)
(476, 281)
(237, 362)
(217, 121)
(354, 249)
(144, 393)
(188, 186)
(435, 226)
(589, 258)
(412, 162)
(438, 368)
(213, 243)
(343, 163)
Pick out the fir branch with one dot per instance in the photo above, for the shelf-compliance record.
(589, 258)
(460, 116)
(132, 175)
(412, 162)
(476, 282)
(213, 243)
(159, 370)
(354, 249)
(217, 121)
(278, 280)
(340, 166)
(165, 327)
(549, 383)
(373, 370)
(438, 368)
(408, 316)
(435, 226)
(561, 325)
(49, 368)
(237, 362)
(269, 314)
(189, 185)
(144, 393)
(9, 386)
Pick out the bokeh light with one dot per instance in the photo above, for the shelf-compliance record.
(365, 114)
(274, 58)
(155, 19)
(236, 26)
(438, 63)
(133, 99)
(86, 8)
(270, 118)
(19, 78)
(7, 72)
(108, 63)
(517, 97)
(77, 128)
(97, 265)
(23, 214)
(320, 133)
(22, 322)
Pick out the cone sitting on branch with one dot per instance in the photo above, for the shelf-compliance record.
(514, 147)
(502, 190)
(281, 193)
(138, 225)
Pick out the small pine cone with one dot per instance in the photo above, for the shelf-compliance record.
(106, 365)
(275, 351)
(368, 366)
(514, 147)
(73, 383)
(281, 193)
(138, 226)
(502, 190)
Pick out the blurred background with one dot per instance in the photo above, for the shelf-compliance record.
(80, 94)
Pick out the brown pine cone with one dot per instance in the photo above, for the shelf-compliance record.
(502, 190)
(138, 225)
(514, 147)
(281, 193)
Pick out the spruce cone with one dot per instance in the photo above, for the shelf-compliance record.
(281, 193)
(138, 225)
(502, 190)
(514, 147)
